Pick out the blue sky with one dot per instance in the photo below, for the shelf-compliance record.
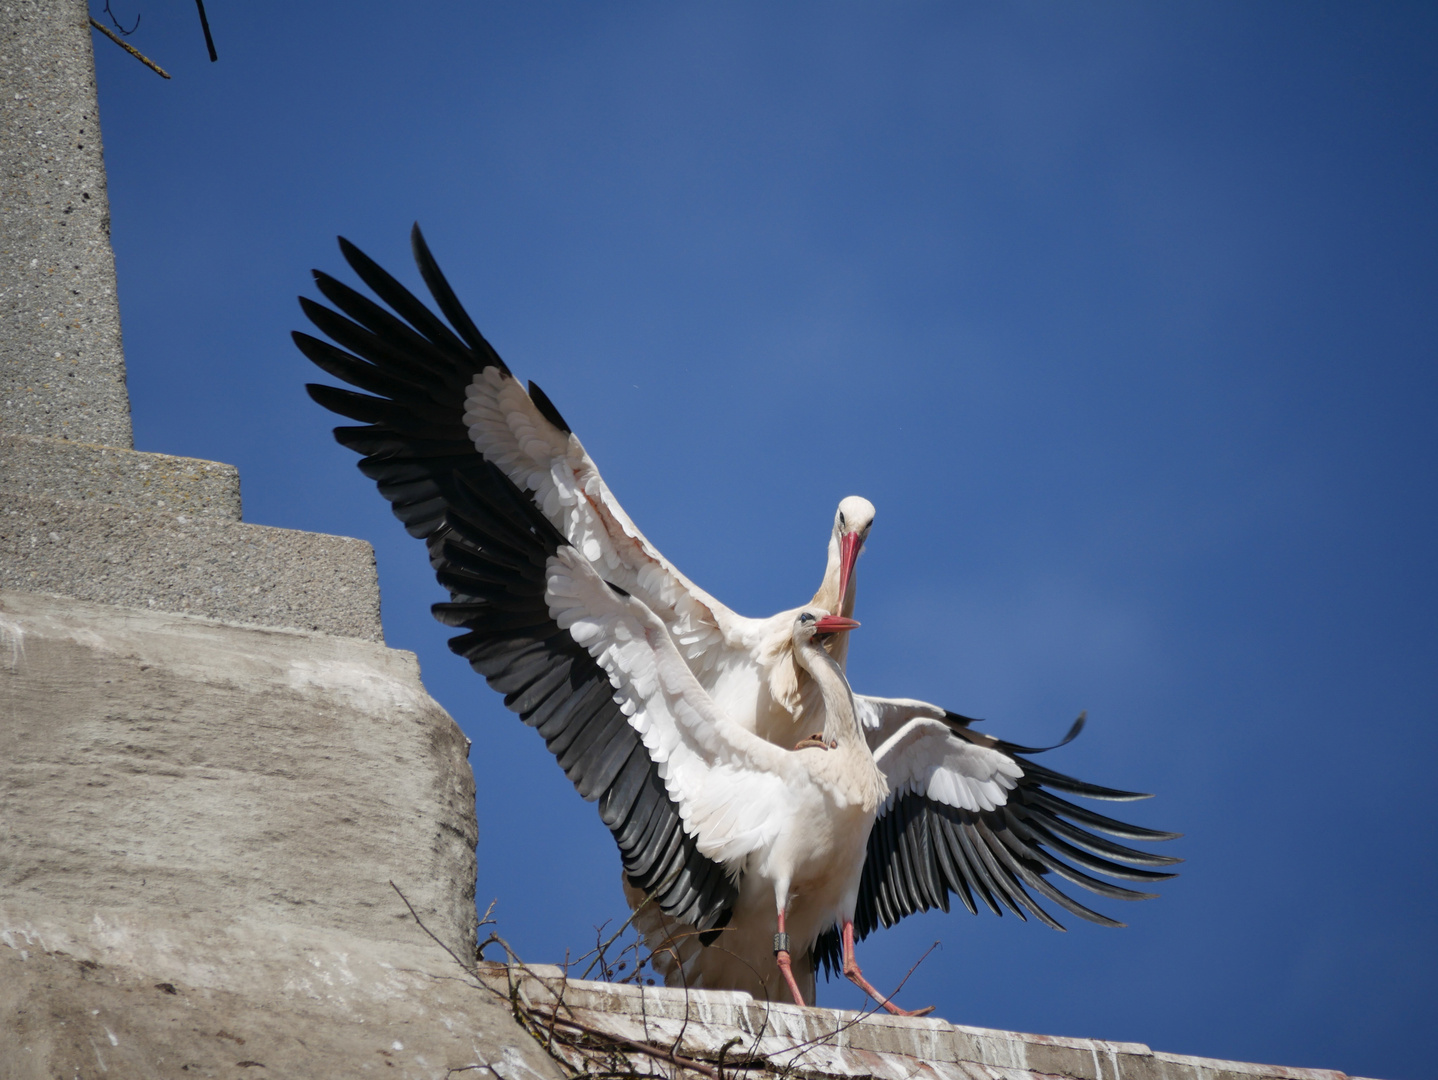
(1123, 315)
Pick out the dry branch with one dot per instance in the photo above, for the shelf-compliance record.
(136, 53)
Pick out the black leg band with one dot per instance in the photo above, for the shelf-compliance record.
(781, 943)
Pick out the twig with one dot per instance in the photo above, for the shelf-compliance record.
(558, 1004)
(657, 1052)
(913, 969)
(724, 1051)
(420, 923)
(487, 918)
(684, 1027)
(467, 1068)
(599, 949)
(479, 949)
(116, 21)
(136, 53)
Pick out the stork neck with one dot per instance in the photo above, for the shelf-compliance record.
(841, 725)
(828, 595)
(836, 645)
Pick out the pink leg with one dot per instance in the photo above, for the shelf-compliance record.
(781, 957)
(855, 976)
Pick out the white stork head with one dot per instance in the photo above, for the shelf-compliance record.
(812, 623)
(852, 522)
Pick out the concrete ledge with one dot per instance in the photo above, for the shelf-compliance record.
(183, 770)
(199, 824)
(79, 472)
(825, 1043)
(190, 564)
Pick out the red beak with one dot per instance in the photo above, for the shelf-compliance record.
(832, 624)
(849, 546)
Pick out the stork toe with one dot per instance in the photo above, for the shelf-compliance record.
(910, 1012)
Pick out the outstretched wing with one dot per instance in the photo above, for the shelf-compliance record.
(686, 792)
(492, 550)
(440, 401)
(970, 815)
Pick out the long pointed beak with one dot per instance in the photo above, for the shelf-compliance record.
(833, 624)
(849, 547)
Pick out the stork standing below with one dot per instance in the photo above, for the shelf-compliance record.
(504, 495)
(808, 874)
(790, 827)
(820, 818)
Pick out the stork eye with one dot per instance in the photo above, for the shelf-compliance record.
(841, 519)
(806, 617)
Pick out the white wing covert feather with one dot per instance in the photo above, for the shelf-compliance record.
(882, 717)
(726, 782)
(507, 428)
(926, 757)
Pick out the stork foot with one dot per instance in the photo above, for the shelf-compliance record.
(857, 978)
(908, 1012)
(855, 975)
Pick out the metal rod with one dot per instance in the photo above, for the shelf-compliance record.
(205, 25)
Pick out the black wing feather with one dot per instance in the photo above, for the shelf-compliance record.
(489, 544)
(546, 407)
(404, 302)
(438, 286)
(920, 851)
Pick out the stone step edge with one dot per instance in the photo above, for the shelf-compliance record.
(231, 571)
(44, 467)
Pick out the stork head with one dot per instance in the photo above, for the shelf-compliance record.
(852, 522)
(813, 623)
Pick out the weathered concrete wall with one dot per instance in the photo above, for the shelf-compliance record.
(65, 1015)
(153, 763)
(62, 371)
(160, 532)
(222, 810)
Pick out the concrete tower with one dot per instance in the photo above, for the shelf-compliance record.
(211, 768)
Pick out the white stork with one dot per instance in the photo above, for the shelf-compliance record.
(494, 481)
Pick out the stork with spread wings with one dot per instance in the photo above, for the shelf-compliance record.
(640, 681)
